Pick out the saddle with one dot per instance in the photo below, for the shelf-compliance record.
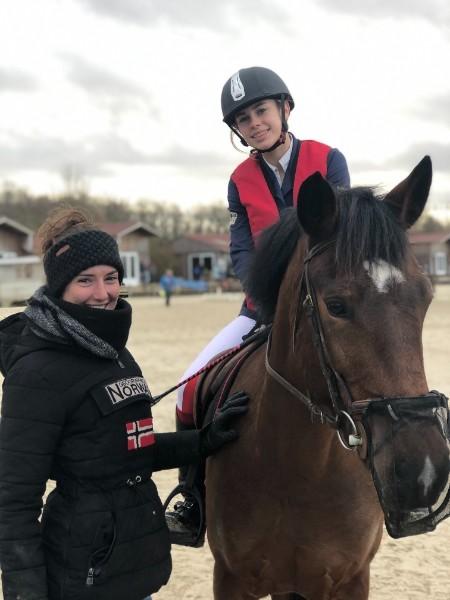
(214, 385)
(211, 389)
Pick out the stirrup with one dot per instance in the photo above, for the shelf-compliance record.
(194, 538)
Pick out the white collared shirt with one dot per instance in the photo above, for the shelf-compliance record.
(283, 163)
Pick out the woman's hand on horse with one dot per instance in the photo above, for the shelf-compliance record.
(219, 432)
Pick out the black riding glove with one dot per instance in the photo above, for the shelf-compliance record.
(217, 433)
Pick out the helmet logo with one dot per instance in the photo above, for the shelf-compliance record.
(236, 87)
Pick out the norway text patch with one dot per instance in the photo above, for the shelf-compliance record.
(140, 434)
(127, 388)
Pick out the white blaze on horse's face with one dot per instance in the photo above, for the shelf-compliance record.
(383, 274)
(427, 476)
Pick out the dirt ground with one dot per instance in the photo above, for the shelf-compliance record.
(165, 340)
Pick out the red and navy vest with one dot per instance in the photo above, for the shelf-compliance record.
(254, 193)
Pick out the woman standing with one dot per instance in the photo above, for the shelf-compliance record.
(76, 410)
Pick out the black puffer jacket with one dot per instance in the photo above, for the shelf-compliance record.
(85, 422)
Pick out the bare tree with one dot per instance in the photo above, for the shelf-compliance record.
(75, 181)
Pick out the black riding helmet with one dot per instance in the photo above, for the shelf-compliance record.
(248, 86)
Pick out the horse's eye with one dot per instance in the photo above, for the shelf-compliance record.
(337, 308)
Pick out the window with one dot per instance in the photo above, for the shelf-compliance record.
(440, 263)
(131, 268)
(200, 265)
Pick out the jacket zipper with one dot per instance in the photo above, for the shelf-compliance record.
(94, 571)
(90, 577)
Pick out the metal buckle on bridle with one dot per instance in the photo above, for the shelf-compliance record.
(354, 438)
(308, 303)
(317, 413)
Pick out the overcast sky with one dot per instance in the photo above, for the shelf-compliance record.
(126, 93)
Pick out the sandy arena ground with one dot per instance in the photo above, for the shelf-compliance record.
(165, 340)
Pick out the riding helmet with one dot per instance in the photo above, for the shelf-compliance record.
(248, 86)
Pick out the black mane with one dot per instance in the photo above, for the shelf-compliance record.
(367, 230)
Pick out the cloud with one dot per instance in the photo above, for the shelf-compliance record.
(440, 198)
(98, 155)
(106, 87)
(202, 162)
(195, 13)
(92, 154)
(16, 81)
(436, 109)
(435, 11)
(439, 153)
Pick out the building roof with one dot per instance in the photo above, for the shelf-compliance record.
(11, 224)
(429, 237)
(116, 230)
(219, 242)
(119, 230)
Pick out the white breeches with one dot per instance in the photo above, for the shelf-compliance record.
(231, 335)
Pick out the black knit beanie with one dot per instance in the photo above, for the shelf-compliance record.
(77, 252)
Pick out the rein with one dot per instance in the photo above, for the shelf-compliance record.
(341, 399)
(314, 409)
(260, 331)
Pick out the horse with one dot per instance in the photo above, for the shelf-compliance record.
(291, 507)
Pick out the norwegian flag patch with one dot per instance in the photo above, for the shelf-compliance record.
(140, 434)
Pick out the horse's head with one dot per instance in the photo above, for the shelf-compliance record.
(370, 299)
(347, 281)
(371, 294)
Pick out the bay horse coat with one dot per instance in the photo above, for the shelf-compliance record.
(290, 512)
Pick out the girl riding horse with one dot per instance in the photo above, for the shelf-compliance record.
(256, 105)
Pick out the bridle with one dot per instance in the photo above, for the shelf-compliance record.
(341, 401)
(345, 414)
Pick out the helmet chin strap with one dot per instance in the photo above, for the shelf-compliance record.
(281, 139)
(235, 130)
(279, 142)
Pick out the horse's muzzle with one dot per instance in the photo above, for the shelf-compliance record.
(408, 452)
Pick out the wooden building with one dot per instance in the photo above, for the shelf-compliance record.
(203, 256)
(432, 250)
(21, 271)
(133, 239)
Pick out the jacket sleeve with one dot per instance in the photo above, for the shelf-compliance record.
(337, 170)
(241, 241)
(29, 433)
(176, 449)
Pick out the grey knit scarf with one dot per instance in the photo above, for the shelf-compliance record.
(52, 322)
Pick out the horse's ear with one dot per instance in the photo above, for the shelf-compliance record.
(316, 207)
(407, 200)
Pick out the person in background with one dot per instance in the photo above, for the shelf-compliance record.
(197, 272)
(76, 409)
(167, 283)
(256, 104)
